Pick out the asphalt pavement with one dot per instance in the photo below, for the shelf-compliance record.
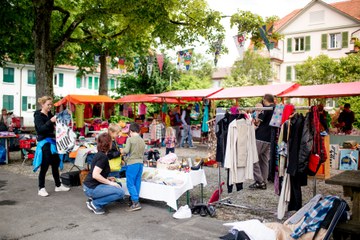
(64, 215)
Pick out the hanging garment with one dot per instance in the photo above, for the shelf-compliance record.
(241, 152)
(221, 136)
(79, 115)
(284, 197)
(277, 116)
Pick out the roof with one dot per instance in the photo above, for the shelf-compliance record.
(146, 98)
(190, 95)
(254, 91)
(76, 99)
(325, 90)
(351, 8)
(221, 73)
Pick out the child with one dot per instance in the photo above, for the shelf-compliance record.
(135, 147)
(114, 152)
(155, 132)
(170, 140)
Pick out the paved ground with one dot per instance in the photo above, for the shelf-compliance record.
(25, 215)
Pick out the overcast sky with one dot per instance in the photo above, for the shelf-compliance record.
(264, 8)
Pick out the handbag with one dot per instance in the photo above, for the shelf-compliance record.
(314, 164)
(115, 164)
(71, 178)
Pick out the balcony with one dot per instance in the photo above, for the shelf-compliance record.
(276, 54)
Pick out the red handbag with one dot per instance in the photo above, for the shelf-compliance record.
(314, 163)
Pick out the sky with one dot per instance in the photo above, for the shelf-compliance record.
(264, 8)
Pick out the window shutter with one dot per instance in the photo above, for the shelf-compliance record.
(323, 41)
(90, 82)
(307, 43)
(288, 73)
(289, 45)
(24, 103)
(78, 82)
(345, 40)
(96, 83)
(112, 84)
(61, 79)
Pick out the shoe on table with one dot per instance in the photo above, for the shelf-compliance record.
(134, 207)
(183, 212)
(91, 206)
(257, 185)
(42, 192)
(62, 188)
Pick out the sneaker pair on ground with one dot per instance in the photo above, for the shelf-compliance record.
(258, 185)
(183, 212)
(42, 192)
(135, 206)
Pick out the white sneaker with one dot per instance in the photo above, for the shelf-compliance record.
(183, 212)
(62, 188)
(42, 192)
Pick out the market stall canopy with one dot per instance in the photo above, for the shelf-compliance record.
(332, 90)
(254, 91)
(76, 99)
(146, 98)
(190, 95)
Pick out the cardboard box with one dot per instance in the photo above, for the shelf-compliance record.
(349, 159)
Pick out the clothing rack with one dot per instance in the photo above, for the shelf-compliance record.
(221, 201)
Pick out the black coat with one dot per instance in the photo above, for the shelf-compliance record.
(221, 136)
(306, 144)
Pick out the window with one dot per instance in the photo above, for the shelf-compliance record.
(335, 40)
(81, 82)
(8, 102)
(90, 83)
(61, 79)
(288, 73)
(111, 84)
(8, 75)
(28, 103)
(96, 83)
(31, 77)
(299, 44)
(55, 80)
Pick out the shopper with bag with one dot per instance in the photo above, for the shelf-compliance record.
(46, 153)
(98, 186)
(114, 155)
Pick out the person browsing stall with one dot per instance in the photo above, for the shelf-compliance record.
(98, 186)
(46, 153)
(170, 140)
(135, 148)
(186, 123)
(114, 152)
(263, 139)
(346, 119)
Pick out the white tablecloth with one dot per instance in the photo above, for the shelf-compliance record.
(166, 193)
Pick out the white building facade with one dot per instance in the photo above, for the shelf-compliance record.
(18, 83)
(318, 28)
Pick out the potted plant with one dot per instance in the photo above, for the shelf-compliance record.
(357, 45)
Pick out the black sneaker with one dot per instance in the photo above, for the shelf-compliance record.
(134, 207)
(257, 185)
(97, 211)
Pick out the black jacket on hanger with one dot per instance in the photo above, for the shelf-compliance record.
(221, 136)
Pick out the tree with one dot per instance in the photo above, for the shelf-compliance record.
(322, 70)
(252, 70)
(55, 23)
(256, 28)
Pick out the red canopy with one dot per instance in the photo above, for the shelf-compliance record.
(148, 98)
(190, 95)
(254, 91)
(325, 90)
(76, 99)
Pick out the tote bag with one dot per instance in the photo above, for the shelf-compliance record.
(65, 137)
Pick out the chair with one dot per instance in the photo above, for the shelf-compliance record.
(26, 146)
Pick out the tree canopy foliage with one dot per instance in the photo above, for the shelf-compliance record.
(322, 70)
(41, 30)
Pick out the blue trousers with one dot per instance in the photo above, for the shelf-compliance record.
(133, 180)
(104, 194)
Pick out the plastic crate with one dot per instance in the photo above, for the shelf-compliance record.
(27, 144)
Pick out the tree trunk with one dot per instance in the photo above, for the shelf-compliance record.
(44, 54)
(103, 88)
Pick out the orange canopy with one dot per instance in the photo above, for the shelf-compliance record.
(76, 99)
(148, 98)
